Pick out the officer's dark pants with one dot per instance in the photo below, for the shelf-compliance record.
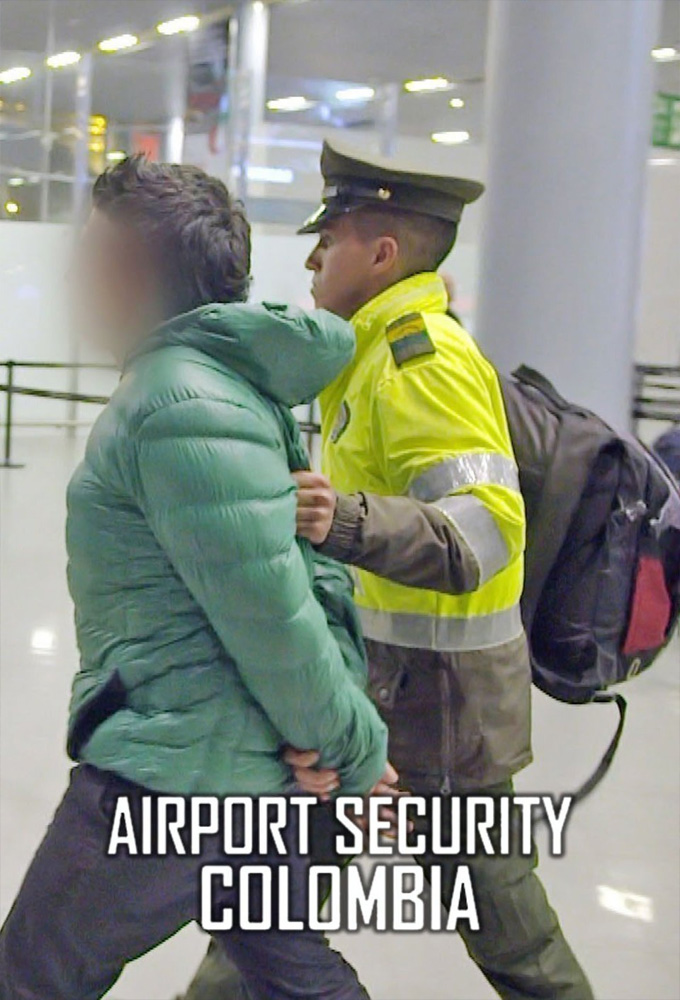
(519, 947)
(81, 915)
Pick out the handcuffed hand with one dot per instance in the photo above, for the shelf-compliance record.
(322, 782)
(386, 786)
(311, 779)
(316, 506)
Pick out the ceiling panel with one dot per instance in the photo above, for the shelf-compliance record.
(82, 23)
(378, 39)
(315, 45)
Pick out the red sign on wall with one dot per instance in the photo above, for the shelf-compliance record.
(148, 143)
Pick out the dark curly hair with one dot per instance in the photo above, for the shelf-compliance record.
(198, 234)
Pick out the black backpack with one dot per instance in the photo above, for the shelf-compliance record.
(602, 590)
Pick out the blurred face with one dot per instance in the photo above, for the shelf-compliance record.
(112, 291)
(348, 269)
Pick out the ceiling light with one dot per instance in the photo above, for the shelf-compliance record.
(355, 94)
(457, 102)
(666, 53)
(116, 155)
(11, 208)
(98, 125)
(290, 104)
(16, 182)
(118, 42)
(62, 59)
(14, 74)
(427, 86)
(450, 138)
(179, 24)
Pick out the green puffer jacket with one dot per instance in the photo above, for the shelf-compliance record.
(204, 646)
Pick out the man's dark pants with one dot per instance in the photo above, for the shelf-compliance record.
(519, 947)
(81, 915)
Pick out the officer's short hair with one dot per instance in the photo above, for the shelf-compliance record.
(197, 232)
(424, 241)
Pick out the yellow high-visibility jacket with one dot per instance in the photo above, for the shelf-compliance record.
(418, 415)
(433, 428)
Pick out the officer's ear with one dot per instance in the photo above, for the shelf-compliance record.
(386, 254)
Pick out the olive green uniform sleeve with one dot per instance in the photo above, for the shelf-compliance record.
(407, 541)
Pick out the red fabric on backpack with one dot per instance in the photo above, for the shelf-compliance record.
(650, 612)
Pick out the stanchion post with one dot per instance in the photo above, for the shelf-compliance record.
(8, 463)
(8, 412)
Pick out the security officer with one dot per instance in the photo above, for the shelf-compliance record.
(425, 502)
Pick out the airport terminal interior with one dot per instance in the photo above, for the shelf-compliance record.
(569, 112)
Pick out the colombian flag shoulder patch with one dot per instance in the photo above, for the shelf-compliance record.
(408, 338)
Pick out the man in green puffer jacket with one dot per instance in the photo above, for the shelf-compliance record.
(204, 647)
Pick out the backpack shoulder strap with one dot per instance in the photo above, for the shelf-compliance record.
(530, 400)
(608, 756)
(529, 376)
(588, 786)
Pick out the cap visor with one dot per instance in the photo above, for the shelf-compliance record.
(314, 223)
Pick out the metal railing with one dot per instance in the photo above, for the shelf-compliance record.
(656, 396)
(656, 393)
(11, 389)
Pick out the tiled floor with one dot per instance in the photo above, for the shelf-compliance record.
(625, 838)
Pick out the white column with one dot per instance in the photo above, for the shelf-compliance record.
(248, 51)
(81, 195)
(387, 97)
(48, 99)
(568, 130)
(174, 140)
(82, 111)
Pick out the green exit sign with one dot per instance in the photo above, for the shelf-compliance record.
(666, 130)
